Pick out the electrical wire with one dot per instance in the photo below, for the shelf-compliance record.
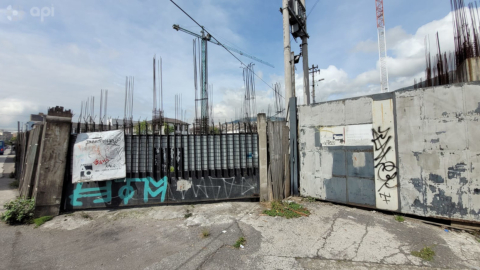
(223, 45)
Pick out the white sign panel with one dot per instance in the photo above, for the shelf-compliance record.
(358, 135)
(99, 156)
(351, 135)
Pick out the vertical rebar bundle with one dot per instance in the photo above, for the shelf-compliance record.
(445, 68)
(249, 109)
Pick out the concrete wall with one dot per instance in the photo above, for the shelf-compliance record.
(414, 152)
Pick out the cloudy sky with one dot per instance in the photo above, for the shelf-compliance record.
(79, 47)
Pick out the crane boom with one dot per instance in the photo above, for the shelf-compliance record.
(179, 28)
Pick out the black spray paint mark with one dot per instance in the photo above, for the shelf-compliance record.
(457, 170)
(478, 108)
(432, 188)
(386, 170)
(434, 140)
(418, 184)
(444, 205)
(436, 178)
(440, 132)
(417, 155)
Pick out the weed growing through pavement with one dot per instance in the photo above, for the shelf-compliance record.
(205, 233)
(308, 199)
(240, 241)
(19, 211)
(287, 210)
(85, 215)
(41, 220)
(399, 218)
(12, 175)
(188, 214)
(14, 184)
(425, 253)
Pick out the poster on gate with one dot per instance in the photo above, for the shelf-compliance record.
(99, 156)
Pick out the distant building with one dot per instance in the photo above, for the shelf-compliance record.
(5, 135)
(34, 120)
(37, 117)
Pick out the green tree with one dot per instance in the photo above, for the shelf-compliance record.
(168, 129)
(12, 141)
(214, 130)
(141, 128)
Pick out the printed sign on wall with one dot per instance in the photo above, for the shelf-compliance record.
(99, 156)
(350, 135)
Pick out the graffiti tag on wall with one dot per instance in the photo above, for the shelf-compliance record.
(386, 188)
(103, 194)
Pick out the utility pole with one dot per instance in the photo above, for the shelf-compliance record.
(313, 69)
(306, 83)
(286, 53)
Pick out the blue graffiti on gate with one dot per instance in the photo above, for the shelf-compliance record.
(104, 193)
(126, 192)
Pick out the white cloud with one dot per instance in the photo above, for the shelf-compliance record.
(79, 56)
(405, 61)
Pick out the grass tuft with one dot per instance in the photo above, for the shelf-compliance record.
(14, 184)
(425, 253)
(287, 210)
(240, 241)
(85, 215)
(308, 199)
(39, 221)
(188, 214)
(399, 218)
(205, 233)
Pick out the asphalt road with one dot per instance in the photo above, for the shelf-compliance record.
(332, 237)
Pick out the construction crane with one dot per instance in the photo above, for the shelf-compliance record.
(382, 45)
(205, 38)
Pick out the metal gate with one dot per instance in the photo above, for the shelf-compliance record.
(173, 169)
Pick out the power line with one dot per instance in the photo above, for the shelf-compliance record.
(221, 44)
(312, 8)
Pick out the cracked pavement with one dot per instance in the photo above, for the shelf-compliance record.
(333, 237)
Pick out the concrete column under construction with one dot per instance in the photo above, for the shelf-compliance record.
(262, 155)
(52, 162)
